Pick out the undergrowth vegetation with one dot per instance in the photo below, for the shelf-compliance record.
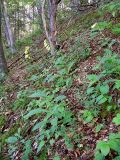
(48, 111)
(47, 116)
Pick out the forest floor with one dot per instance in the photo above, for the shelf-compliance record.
(76, 38)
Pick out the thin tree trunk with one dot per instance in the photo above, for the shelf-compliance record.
(15, 25)
(62, 4)
(33, 8)
(18, 26)
(39, 10)
(8, 28)
(45, 28)
(7, 36)
(3, 64)
(53, 14)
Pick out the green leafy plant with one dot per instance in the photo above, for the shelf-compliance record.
(87, 116)
(116, 120)
(81, 48)
(101, 26)
(47, 108)
(104, 148)
(116, 29)
(16, 142)
(101, 85)
(99, 127)
(22, 100)
(112, 8)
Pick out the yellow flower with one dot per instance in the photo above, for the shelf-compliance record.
(27, 53)
(46, 45)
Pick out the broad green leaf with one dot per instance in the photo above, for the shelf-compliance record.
(99, 156)
(60, 98)
(12, 140)
(87, 115)
(108, 51)
(42, 143)
(38, 94)
(52, 141)
(101, 25)
(54, 121)
(63, 71)
(37, 126)
(117, 158)
(89, 118)
(109, 108)
(57, 134)
(42, 123)
(56, 158)
(42, 137)
(116, 30)
(67, 117)
(98, 127)
(50, 77)
(114, 136)
(70, 65)
(59, 60)
(101, 99)
(93, 78)
(27, 149)
(69, 82)
(114, 144)
(103, 147)
(116, 120)
(35, 111)
(104, 89)
(69, 145)
(48, 134)
(117, 84)
(90, 90)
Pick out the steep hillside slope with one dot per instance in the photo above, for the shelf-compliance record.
(66, 107)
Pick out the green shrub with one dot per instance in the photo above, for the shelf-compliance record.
(22, 100)
(47, 108)
(105, 148)
(106, 81)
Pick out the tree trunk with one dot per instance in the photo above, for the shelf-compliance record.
(15, 26)
(53, 14)
(7, 36)
(3, 64)
(18, 21)
(62, 4)
(39, 11)
(8, 28)
(45, 28)
(52, 11)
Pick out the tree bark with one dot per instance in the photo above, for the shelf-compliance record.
(39, 11)
(18, 21)
(45, 28)
(3, 64)
(53, 14)
(8, 28)
(15, 25)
